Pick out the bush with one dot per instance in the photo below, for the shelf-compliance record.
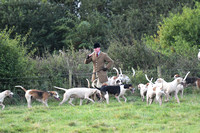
(130, 53)
(13, 57)
(55, 69)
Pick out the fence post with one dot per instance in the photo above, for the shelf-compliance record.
(159, 71)
(70, 78)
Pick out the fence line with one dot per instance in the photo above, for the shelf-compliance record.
(79, 78)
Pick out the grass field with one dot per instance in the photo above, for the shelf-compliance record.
(133, 116)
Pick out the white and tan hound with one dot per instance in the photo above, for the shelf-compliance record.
(41, 96)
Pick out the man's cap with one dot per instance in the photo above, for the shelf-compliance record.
(97, 45)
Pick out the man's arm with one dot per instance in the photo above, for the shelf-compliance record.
(109, 61)
(88, 59)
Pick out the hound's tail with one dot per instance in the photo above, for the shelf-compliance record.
(60, 88)
(21, 87)
(93, 83)
(97, 87)
(116, 71)
(88, 83)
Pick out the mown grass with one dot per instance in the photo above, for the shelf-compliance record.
(133, 116)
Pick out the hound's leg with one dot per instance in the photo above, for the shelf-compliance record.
(150, 102)
(3, 106)
(107, 97)
(182, 93)
(70, 101)
(125, 99)
(95, 97)
(45, 103)
(89, 99)
(28, 99)
(65, 98)
(159, 99)
(143, 98)
(167, 97)
(147, 100)
(81, 101)
(117, 97)
(176, 96)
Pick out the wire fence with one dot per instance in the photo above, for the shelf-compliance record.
(78, 79)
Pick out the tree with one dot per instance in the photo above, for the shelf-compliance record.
(39, 16)
(178, 33)
(178, 39)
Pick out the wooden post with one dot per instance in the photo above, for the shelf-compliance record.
(159, 71)
(70, 78)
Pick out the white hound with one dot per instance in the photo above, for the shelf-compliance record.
(114, 80)
(82, 93)
(3, 95)
(154, 91)
(181, 87)
(124, 78)
(170, 87)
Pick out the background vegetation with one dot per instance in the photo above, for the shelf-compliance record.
(43, 43)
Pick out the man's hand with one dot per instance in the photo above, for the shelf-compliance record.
(88, 56)
(105, 69)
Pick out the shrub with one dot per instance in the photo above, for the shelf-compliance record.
(13, 57)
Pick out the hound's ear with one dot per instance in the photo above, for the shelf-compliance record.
(7, 92)
(50, 93)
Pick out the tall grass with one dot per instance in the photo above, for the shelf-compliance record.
(133, 116)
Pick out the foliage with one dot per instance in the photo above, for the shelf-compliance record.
(36, 15)
(140, 76)
(13, 56)
(130, 53)
(55, 69)
(178, 37)
(55, 23)
(133, 17)
(178, 33)
(64, 30)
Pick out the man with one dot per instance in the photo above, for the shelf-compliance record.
(100, 68)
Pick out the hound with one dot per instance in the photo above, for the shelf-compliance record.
(193, 81)
(41, 96)
(154, 91)
(118, 91)
(95, 95)
(124, 78)
(3, 95)
(143, 90)
(181, 87)
(82, 93)
(170, 87)
(114, 80)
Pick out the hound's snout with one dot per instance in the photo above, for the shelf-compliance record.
(11, 94)
(57, 97)
(133, 90)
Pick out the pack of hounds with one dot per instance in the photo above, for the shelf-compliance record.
(116, 86)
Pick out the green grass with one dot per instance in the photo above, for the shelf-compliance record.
(133, 116)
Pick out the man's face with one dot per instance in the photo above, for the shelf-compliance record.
(96, 50)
